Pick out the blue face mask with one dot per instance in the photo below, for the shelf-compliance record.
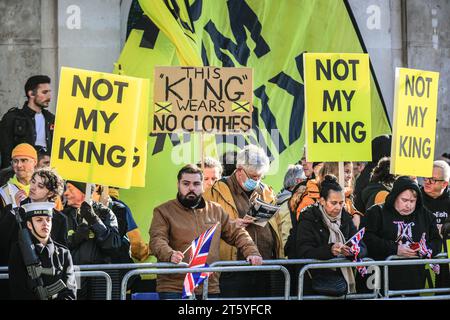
(250, 184)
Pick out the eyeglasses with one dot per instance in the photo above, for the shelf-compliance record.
(432, 180)
(253, 177)
(15, 162)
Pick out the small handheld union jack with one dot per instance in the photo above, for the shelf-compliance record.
(425, 252)
(356, 249)
(200, 250)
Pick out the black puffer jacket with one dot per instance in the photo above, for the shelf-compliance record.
(386, 228)
(313, 234)
(95, 243)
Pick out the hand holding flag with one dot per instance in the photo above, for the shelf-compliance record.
(356, 249)
(200, 250)
(425, 252)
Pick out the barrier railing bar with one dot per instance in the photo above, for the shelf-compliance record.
(93, 274)
(443, 297)
(265, 262)
(131, 273)
(417, 291)
(387, 292)
(364, 263)
(346, 297)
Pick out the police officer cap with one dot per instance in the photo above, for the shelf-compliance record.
(36, 209)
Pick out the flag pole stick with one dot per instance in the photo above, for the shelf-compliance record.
(202, 150)
(187, 249)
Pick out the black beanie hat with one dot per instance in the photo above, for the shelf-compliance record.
(79, 185)
(316, 163)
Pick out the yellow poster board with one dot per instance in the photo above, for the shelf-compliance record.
(338, 110)
(414, 125)
(202, 99)
(140, 152)
(95, 127)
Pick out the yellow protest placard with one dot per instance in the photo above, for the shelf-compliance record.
(202, 99)
(140, 155)
(337, 103)
(414, 126)
(95, 126)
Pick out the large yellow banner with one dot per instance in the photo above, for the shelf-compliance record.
(92, 138)
(338, 107)
(414, 125)
(270, 37)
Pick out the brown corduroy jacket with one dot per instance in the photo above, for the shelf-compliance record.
(174, 227)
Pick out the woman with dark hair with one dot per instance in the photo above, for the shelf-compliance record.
(323, 230)
(381, 181)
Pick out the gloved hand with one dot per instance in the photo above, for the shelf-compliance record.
(80, 235)
(87, 212)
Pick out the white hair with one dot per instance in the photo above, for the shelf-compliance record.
(293, 173)
(211, 163)
(253, 158)
(445, 168)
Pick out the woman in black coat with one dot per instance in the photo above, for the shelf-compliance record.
(324, 228)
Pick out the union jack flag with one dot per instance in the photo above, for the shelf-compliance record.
(425, 252)
(356, 249)
(199, 250)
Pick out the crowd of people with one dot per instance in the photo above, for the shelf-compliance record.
(47, 225)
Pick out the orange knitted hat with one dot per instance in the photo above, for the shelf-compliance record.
(24, 150)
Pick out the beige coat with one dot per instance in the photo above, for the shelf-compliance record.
(220, 193)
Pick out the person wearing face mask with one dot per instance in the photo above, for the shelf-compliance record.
(396, 227)
(322, 231)
(178, 222)
(57, 280)
(235, 194)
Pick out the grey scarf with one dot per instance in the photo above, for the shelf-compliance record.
(333, 224)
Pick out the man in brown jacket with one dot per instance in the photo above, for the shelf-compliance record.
(235, 194)
(177, 222)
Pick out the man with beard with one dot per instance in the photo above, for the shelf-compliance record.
(178, 222)
(32, 123)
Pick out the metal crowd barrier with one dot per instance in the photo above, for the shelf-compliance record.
(93, 274)
(268, 265)
(388, 293)
(236, 263)
(374, 263)
(326, 264)
(209, 269)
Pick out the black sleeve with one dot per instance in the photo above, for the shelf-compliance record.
(434, 240)
(59, 228)
(378, 248)
(68, 277)
(8, 233)
(107, 232)
(308, 245)
(19, 281)
(6, 142)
